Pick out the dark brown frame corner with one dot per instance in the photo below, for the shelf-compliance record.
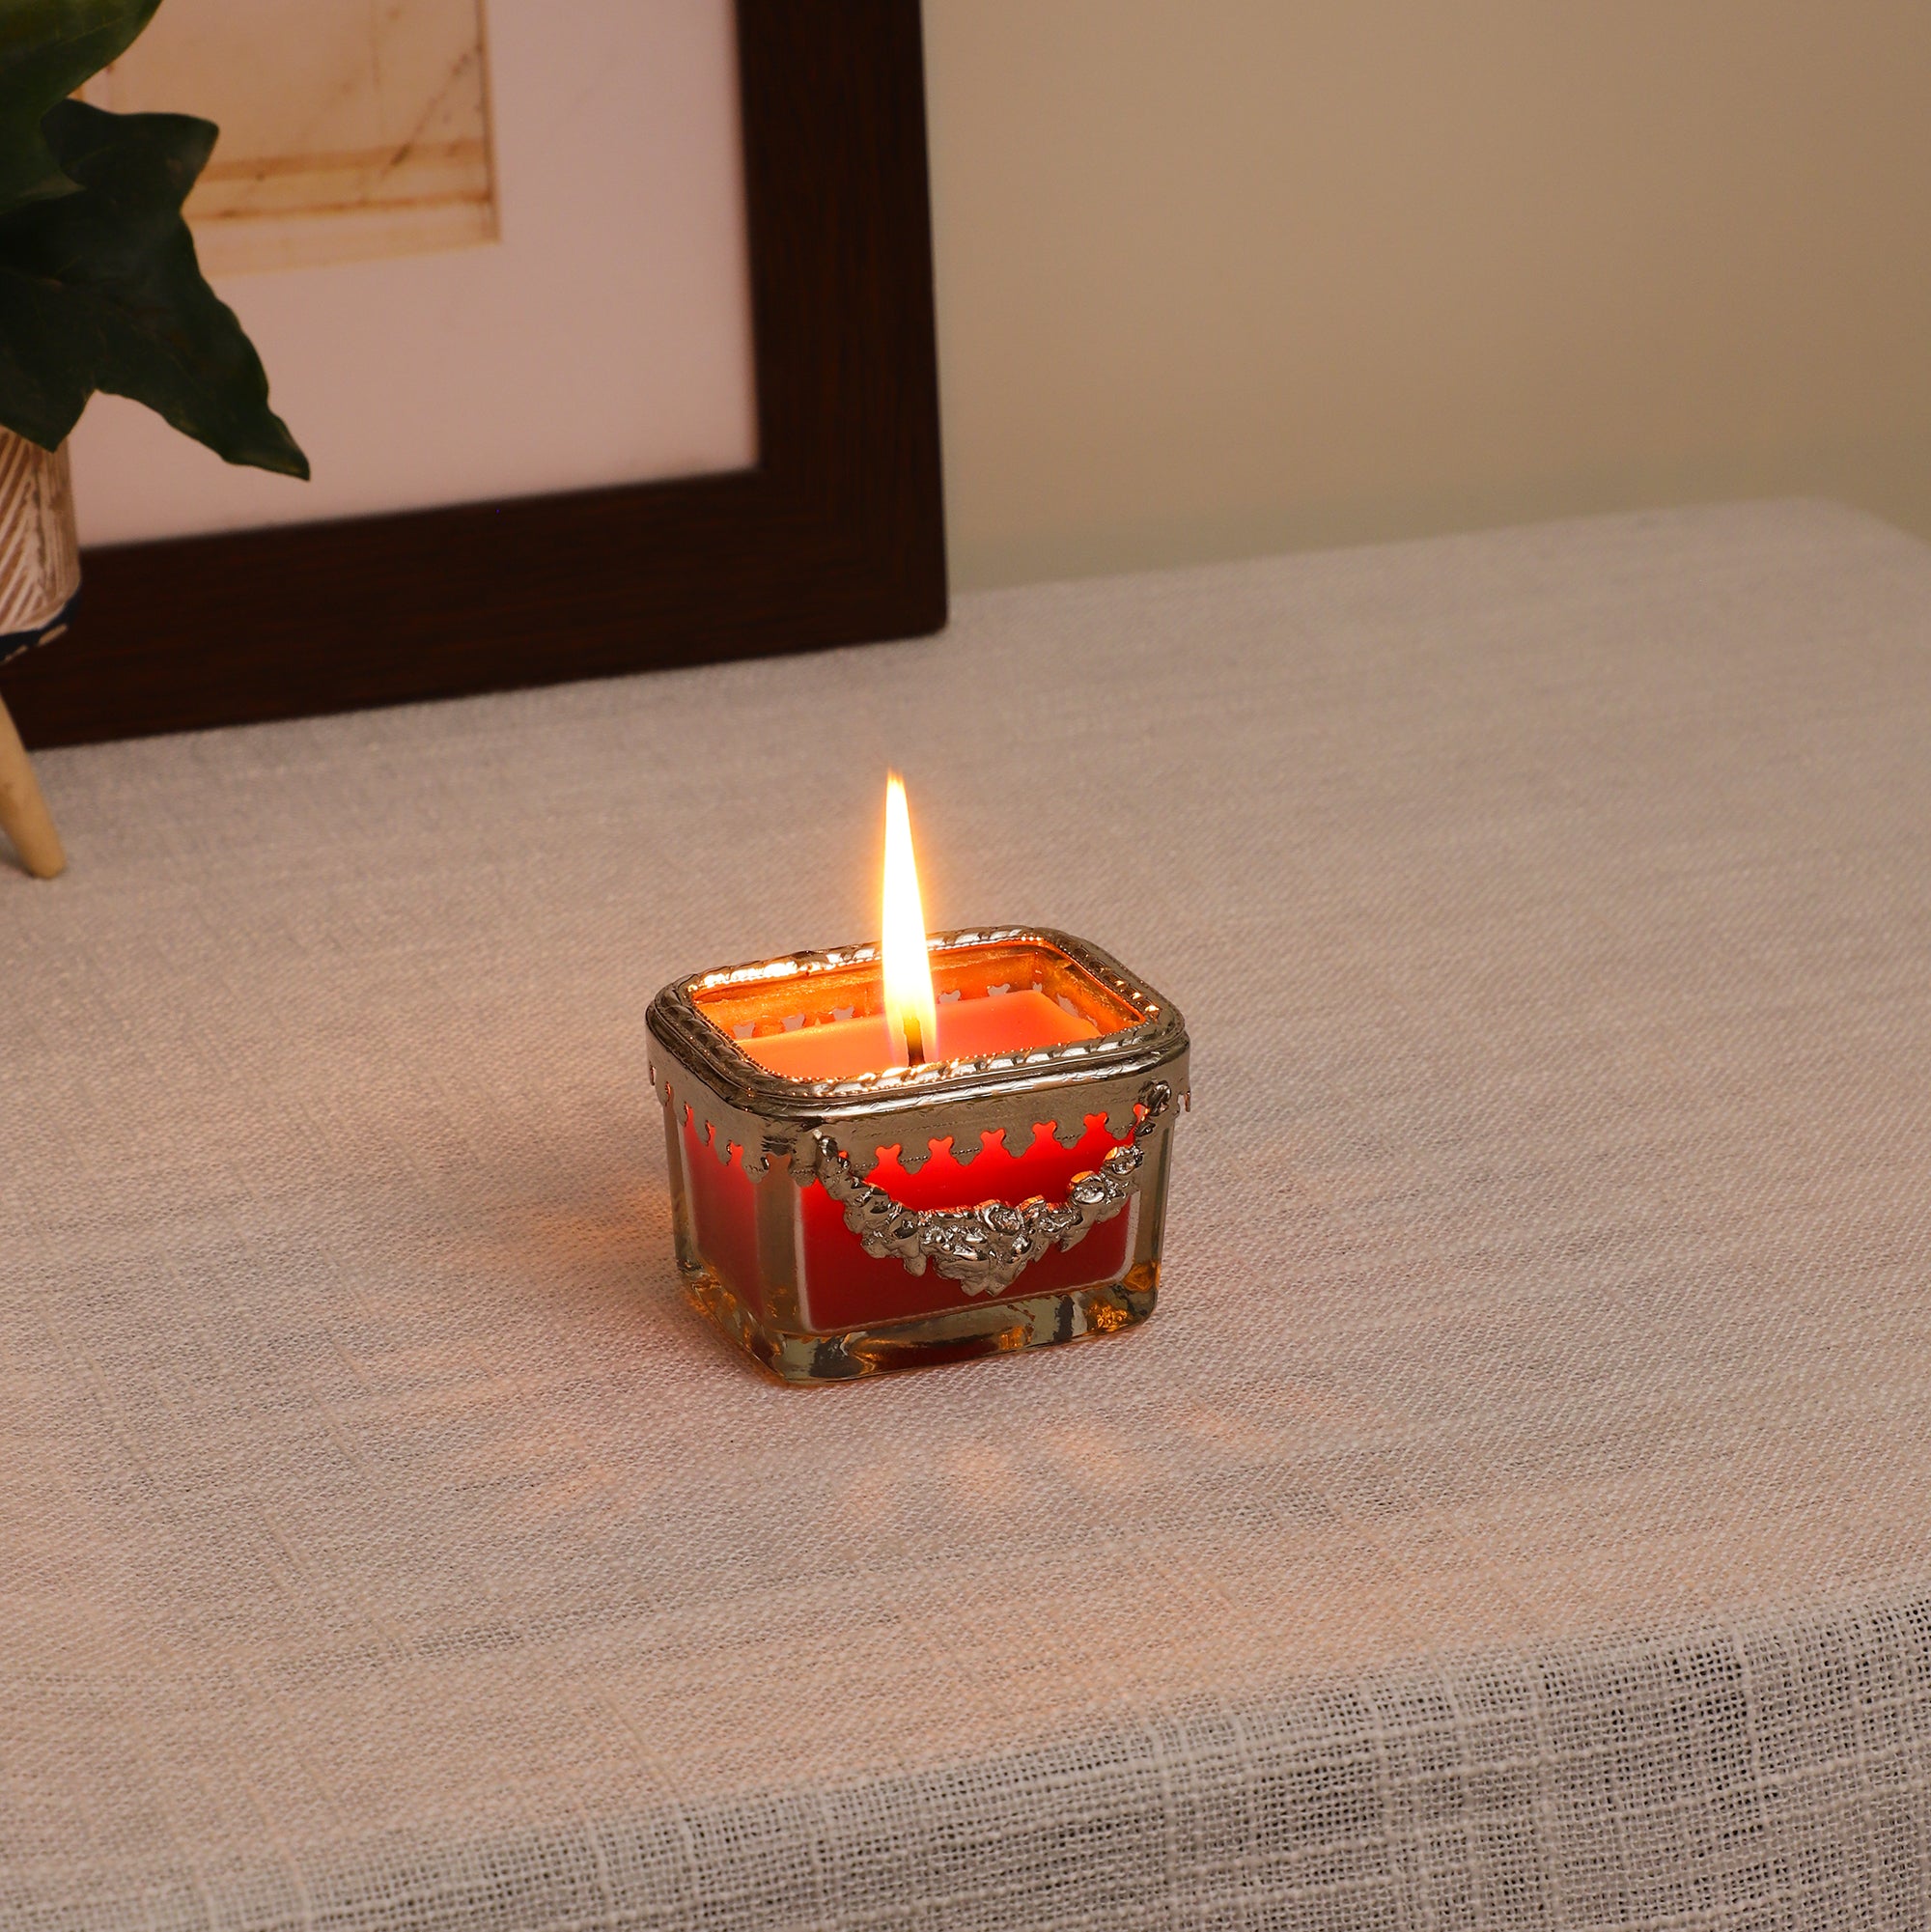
(836, 537)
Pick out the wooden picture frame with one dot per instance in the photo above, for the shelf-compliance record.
(835, 536)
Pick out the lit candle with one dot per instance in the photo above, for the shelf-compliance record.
(908, 974)
(944, 1145)
(912, 1027)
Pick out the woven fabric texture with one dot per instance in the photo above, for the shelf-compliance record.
(1518, 1513)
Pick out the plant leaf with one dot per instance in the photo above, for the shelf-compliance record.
(47, 47)
(101, 289)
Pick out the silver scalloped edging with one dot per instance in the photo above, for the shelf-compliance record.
(987, 1247)
(722, 1128)
(734, 1100)
(705, 1050)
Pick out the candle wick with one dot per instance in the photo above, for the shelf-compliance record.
(914, 1041)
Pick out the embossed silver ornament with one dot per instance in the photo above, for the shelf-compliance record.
(987, 1247)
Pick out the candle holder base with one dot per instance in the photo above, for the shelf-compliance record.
(960, 1335)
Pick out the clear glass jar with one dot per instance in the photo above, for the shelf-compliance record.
(838, 1218)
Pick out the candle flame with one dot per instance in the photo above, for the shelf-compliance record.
(910, 1008)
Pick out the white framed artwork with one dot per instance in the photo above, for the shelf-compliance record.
(487, 248)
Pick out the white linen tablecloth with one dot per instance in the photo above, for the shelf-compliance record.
(1517, 1514)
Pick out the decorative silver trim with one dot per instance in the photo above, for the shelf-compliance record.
(986, 1248)
(772, 1117)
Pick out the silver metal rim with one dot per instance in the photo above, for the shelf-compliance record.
(769, 1114)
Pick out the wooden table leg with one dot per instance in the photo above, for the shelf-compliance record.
(24, 812)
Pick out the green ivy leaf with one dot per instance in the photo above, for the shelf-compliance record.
(101, 289)
(47, 47)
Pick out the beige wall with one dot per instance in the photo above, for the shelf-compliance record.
(1221, 276)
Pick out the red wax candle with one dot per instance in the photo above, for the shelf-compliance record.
(781, 1097)
(851, 1075)
(840, 1285)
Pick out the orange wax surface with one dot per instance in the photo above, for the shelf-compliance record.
(841, 1049)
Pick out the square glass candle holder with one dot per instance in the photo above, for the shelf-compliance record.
(835, 1219)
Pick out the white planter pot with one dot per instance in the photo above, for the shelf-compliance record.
(40, 551)
(40, 578)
